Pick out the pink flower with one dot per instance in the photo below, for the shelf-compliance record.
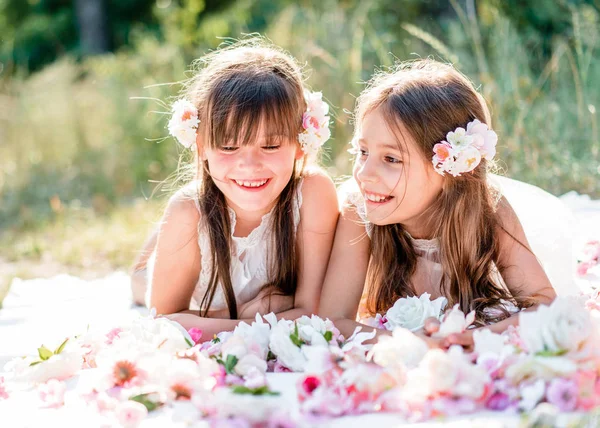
(309, 384)
(563, 394)
(309, 121)
(583, 267)
(498, 401)
(52, 393)
(112, 335)
(195, 334)
(130, 413)
(280, 368)
(442, 150)
(3, 391)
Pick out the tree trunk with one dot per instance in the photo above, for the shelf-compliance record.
(93, 26)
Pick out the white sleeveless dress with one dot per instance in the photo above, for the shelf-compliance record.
(249, 271)
(547, 222)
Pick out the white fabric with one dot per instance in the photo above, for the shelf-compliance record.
(546, 220)
(248, 259)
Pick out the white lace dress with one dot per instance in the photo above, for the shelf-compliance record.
(547, 222)
(248, 259)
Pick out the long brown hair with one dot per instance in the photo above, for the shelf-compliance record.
(236, 89)
(431, 99)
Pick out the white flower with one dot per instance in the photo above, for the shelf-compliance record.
(487, 342)
(411, 312)
(58, 366)
(531, 394)
(564, 326)
(402, 349)
(455, 321)
(463, 149)
(315, 123)
(288, 354)
(184, 122)
(536, 367)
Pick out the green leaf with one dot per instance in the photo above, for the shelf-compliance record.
(35, 363)
(146, 401)
(230, 363)
(190, 344)
(328, 335)
(61, 347)
(295, 337)
(216, 339)
(271, 356)
(44, 353)
(548, 353)
(263, 390)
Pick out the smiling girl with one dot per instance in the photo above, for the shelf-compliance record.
(254, 232)
(422, 216)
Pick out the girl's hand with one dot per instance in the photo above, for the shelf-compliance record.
(265, 303)
(187, 321)
(464, 339)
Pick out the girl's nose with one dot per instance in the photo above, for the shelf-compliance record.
(250, 158)
(366, 172)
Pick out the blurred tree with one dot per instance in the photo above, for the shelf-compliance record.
(92, 25)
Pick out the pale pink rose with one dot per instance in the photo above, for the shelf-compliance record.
(310, 122)
(3, 391)
(105, 403)
(195, 334)
(583, 267)
(112, 335)
(130, 413)
(483, 138)
(52, 393)
(563, 394)
(443, 151)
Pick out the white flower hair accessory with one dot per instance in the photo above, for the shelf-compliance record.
(315, 122)
(184, 122)
(463, 149)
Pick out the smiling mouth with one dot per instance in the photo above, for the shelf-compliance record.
(377, 198)
(252, 184)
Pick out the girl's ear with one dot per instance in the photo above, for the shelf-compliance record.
(299, 153)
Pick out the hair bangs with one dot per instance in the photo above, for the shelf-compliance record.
(244, 111)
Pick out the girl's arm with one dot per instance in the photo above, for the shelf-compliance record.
(520, 269)
(346, 273)
(139, 270)
(318, 216)
(177, 264)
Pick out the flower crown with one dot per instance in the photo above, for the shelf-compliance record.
(463, 149)
(315, 122)
(184, 121)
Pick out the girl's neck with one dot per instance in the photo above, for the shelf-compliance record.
(418, 229)
(247, 221)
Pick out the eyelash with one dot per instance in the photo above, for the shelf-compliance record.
(232, 149)
(389, 159)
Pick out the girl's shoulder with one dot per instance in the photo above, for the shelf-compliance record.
(319, 198)
(183, 204)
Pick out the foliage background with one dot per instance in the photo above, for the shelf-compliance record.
(82, 135)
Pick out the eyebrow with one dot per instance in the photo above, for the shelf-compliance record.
(386, 145)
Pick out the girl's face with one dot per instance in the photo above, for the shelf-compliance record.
(253, 176)
(397, 183)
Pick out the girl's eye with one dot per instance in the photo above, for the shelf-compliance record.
(362, 153)
(392, 160)
(229, 149)
(271, 148)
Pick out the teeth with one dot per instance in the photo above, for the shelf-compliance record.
(245, 183)
(376, 198)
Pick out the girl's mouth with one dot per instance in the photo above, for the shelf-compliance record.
(252, 185)
(376, 198)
